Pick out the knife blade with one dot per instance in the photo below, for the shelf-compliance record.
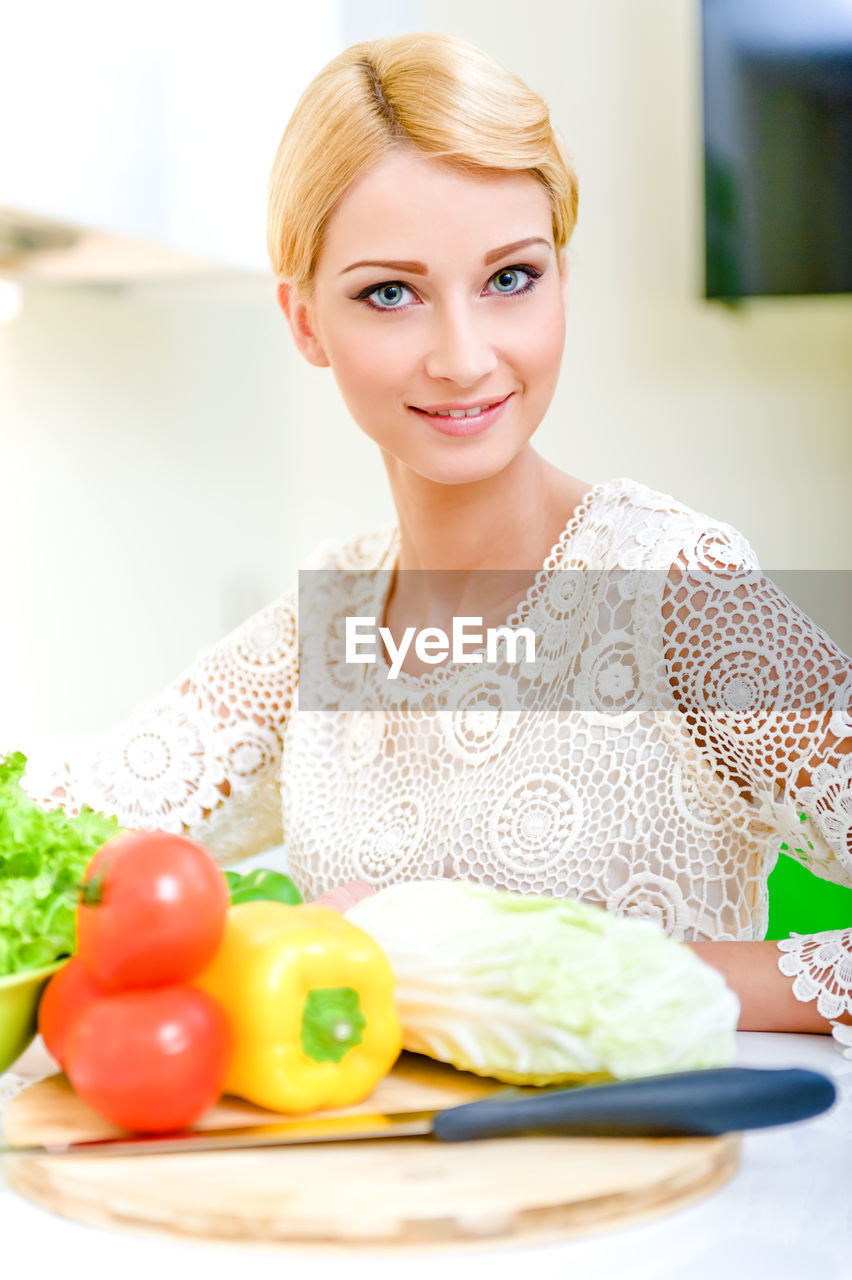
(680, 1104)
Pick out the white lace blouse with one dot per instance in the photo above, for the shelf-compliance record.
(690, 724)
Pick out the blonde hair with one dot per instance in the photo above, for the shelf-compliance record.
(433, 91)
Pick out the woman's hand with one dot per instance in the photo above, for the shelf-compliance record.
(344, 896)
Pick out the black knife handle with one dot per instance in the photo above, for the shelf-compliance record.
(686, 1103)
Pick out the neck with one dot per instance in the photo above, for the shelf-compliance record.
(507, 521)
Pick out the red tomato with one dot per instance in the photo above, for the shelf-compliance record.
(68, 993)
(151, 1061)
(151, 912)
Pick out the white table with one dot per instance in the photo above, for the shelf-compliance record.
(786, 1214)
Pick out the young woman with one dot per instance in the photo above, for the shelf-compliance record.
(421, 205)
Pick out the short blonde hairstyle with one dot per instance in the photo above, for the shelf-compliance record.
(433, 91)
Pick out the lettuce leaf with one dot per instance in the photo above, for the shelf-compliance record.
(43, 854)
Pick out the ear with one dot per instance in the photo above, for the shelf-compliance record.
(301, 324)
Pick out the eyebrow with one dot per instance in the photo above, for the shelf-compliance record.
(420, 269)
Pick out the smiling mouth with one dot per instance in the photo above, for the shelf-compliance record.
(472, 412)
(468, 422)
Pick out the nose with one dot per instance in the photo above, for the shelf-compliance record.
(461, 349)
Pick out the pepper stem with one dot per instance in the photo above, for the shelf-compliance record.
(332, 1023)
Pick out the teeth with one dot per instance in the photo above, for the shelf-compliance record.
(460, 413)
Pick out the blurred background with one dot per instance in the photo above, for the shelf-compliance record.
(168, 459)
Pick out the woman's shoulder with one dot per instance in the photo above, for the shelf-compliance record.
(650, 528)
(634, 495)
(375, 550)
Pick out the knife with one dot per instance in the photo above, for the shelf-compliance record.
(681, 1104)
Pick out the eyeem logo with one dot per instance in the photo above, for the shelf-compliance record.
(433, 645)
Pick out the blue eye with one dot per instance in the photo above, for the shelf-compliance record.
(388, 296)
(507, 279)
(391, 295)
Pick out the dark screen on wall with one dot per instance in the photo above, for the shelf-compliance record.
(777, 79)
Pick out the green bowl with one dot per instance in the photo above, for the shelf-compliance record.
(19, 997)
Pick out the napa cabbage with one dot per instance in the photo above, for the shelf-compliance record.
(534, 990)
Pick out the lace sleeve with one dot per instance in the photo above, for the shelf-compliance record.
(820, 965)
(768, 695)
(204, 756)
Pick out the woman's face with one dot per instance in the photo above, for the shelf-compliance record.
(438, 290)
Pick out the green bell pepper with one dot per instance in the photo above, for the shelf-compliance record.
(262, 885)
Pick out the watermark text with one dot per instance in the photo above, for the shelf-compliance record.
(432, 644)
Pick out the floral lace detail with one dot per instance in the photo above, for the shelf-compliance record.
(663, 792)
(821, 967)
(843, 1036)
(656, 898)
(829, 799)
(204, 756)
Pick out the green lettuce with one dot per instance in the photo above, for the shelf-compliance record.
(43, 854)
(534, 990)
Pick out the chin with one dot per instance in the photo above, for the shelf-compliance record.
(477, 466)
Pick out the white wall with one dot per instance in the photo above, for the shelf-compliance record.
(120, 125)
(747, 414)
(165, 470)
(167, 458)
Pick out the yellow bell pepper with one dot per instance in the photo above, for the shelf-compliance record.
(310, 1000)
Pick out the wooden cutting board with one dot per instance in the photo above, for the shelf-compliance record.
(408, 1193)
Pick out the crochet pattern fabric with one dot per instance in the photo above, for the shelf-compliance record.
(688, 725)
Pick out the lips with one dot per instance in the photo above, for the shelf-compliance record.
(463, 426)
(456, 407)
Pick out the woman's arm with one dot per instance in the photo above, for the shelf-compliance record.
(767, 999)
(766, 694)
(750, 969)
(344, 896)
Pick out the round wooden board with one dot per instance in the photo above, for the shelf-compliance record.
(407, 1193)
